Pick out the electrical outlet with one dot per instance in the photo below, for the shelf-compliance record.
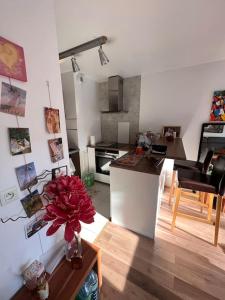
(8, 196)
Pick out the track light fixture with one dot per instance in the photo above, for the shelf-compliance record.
(102, 56)
(98, 42)
(75, 65)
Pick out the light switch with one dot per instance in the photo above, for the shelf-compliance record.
(9, 195)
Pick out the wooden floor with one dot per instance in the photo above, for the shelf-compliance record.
(182, 264)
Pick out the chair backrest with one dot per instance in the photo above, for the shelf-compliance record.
(218, 175)
(207, 161)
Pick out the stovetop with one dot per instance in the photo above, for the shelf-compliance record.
(107, 145)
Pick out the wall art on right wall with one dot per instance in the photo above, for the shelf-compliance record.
(217, 112)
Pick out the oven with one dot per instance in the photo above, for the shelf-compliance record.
(103, 159)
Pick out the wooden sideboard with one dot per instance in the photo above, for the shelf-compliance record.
(65, 282)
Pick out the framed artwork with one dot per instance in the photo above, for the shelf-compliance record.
(19, 139)
(52, 120)
(60, 171)
(13, 100)
(34, 226)
(56, 149)
(217, 112)
(169, 130)
(26, 175)
(32, 203)
(12, 61)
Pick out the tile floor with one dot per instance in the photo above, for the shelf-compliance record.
(100, 194)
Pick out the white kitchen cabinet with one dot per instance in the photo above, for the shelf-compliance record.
(69, 95)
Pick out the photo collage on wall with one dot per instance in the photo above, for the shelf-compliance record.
(13, 102)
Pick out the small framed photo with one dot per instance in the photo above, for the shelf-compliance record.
(52, 120)
(26, 175)
(35, 225)
(56, 149)
(13, 100)
(60, 171)
(19, 139)
(32, 203)
(171, 131)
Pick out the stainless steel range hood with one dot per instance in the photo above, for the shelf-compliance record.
(115, 93)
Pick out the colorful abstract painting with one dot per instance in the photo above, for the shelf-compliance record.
(12, 62)
(218, 106)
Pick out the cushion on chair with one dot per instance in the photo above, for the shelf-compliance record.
(196, 181)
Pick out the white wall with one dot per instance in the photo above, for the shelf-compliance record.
(88, 115)
(181, 97)
(30, 24)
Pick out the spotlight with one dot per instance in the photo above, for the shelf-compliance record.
(102, 56)
(75, 65)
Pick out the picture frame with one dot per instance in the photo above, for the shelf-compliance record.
(56, 149)
(12, 60)
(32, 203)
(60, 171)
(26, 175)
(34, 225)
(19, 141)
(13, 100)
(170, 130)
(52, 120)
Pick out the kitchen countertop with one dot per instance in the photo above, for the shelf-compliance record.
(117, 147)
(175, 150)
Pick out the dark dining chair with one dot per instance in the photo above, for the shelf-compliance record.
(213, 185)
(189, 165)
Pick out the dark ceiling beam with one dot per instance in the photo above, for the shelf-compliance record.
(83, 47)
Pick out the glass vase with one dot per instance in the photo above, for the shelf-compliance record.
(73, 251)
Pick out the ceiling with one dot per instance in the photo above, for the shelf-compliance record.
(145, 36)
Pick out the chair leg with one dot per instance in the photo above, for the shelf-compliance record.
(172, 187)
(177, 200)
(210, 206)
(223, 204)
(217, 224)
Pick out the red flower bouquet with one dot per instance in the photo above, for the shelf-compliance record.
(69, 204)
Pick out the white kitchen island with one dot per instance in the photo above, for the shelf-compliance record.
(135, 192)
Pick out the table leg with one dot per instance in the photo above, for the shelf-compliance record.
(177, 200)
(172, 187)
(217, 223)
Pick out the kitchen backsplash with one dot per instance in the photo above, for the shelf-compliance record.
(131, 97)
